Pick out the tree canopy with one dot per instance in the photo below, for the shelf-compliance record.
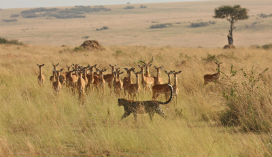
(231, 13)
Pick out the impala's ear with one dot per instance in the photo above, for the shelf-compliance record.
(121, 73)
(61, 70)
(42, 65)
(126, 69)
(178, 72)
(57, 64)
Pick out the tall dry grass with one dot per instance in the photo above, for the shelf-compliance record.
(35, 122)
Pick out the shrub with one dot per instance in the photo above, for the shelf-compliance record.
(129, 7)
(248, 101)
(102, 28)
(85, 37)
(66, 16)
(160, 26)
(143, 6)
(13, 42)
(267, 46)
(85, 9)
(3, 40)
(37, 12)
(201, 24)
(262, 15)
(74, 12)
(9, 20)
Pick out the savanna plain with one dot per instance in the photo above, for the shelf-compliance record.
(229, 117)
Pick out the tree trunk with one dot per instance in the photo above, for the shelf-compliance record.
(230, 35)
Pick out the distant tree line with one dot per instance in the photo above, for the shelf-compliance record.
(75, 12)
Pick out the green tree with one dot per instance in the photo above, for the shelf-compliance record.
(232, 14)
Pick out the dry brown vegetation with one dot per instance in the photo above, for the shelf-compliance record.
(34, 121)
(75, 113)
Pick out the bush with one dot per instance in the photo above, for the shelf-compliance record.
(102, 28)
(3, 40)
(248, 100)
(74, 12)
(201, 24)
(9, 20)
(37, 12)
(143, 6)
(85, 37)
(160, 26)
(67, 16)
(129, 7)
(13, 42)
(267, 46)
(265, 15)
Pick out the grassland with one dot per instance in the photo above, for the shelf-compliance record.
(132, 26)
(35, 122)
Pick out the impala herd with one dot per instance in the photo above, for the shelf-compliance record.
(85, 79)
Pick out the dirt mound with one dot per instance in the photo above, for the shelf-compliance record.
(229, 47)
(91, 45)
